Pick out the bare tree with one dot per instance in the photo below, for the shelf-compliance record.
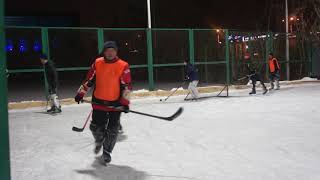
(308, 12)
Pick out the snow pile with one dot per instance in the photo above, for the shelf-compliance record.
(175, 89)
(308, 79)
(141, 91)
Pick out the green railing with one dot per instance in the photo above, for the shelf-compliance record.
(157, 55)
(4, 123)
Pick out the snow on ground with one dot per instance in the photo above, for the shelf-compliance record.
(308, 79)
(272, 137)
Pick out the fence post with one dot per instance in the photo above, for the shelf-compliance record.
(227, 56)
(150, 59)
(46, 50)
(232, 48)
(100, 39)
(191, 46)
(310, 59)
(271, 41)
(4, 127)
(269, 49)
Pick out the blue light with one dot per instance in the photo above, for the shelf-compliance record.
(37, 46)
(22, 45)
(9, 45)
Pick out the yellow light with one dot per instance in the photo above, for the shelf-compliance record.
(218, 30)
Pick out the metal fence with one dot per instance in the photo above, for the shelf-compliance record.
(156, 56)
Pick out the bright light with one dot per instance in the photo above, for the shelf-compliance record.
(292, 19)
(37, 46)
(126, 44)
(247, 47)
(218, 30)
(298, 19)
(9, 45)
(282, 20)
(22, 46)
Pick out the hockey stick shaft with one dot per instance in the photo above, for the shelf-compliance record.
(170, 118)
(240, 79)
(158, 117)
(246, 77)
(173, 92)
(84, 126)
(187, 96)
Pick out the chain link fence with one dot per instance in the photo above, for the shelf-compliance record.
(156, 56)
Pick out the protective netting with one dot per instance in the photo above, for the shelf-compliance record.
(209, 45)
(252, 49)
(132, 44)
(212, 74)
(170, 46)
(74, 49)
(22, 48)
(247, 49)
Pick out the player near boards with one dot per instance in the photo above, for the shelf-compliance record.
(52, 79)
(192, 76)
(254, 74)
(274, 69)
(111, 78)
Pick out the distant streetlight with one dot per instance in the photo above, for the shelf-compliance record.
(218, 35)
(149, 14)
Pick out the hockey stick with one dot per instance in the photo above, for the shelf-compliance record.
(84, 126)
(172, 93)
(243, 78)
(169, 118)
(186, 98)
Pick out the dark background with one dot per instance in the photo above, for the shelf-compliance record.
(78, 47)
(231, 14)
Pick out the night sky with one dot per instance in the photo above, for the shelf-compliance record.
(232, 14)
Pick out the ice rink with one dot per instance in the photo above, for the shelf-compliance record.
(271, 137)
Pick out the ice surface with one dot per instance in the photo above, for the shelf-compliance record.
(272, 137)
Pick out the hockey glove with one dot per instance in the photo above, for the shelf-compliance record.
(81, 93)
(125, 100)
(186, 78)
